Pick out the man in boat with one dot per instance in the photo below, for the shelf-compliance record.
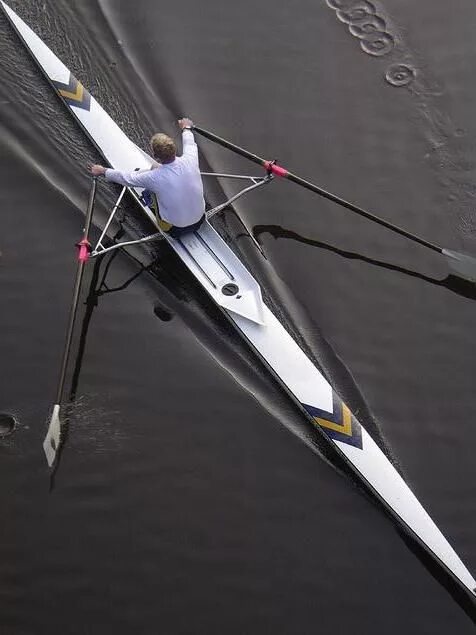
(176, 181)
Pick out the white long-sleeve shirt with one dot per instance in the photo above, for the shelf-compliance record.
(177, 185)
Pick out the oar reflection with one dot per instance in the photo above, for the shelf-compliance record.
(457, 285)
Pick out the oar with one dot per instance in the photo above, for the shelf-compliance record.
(53, 437)
(461, 264)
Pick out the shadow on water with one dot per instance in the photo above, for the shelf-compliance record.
(98, 287)
(459, 594)
(461, 287)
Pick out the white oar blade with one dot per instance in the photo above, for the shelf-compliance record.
(461, 264)
(53, 436)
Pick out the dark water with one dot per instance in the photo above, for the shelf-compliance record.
(182, 504)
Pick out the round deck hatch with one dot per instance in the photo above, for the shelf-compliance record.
(230, 289)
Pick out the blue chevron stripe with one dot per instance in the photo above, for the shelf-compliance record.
(74, 93)
(339, 425)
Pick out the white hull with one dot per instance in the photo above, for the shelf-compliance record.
(216, 267)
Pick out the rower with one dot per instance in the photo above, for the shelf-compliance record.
(175, 181)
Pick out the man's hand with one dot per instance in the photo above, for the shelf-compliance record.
(185, 123)
(97, 170)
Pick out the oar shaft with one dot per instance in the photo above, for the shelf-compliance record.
(82, 258)
(280, 171)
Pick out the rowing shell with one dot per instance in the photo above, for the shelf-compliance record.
(233, 288)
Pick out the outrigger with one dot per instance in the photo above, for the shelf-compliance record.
(233, 288)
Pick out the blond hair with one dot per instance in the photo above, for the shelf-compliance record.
(163, 147)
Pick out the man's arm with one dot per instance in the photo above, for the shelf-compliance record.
(143, 178)
(190, 148)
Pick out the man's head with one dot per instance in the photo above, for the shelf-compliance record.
(163, 147)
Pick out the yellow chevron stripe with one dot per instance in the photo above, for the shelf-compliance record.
(76, 96)
(344, 428)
